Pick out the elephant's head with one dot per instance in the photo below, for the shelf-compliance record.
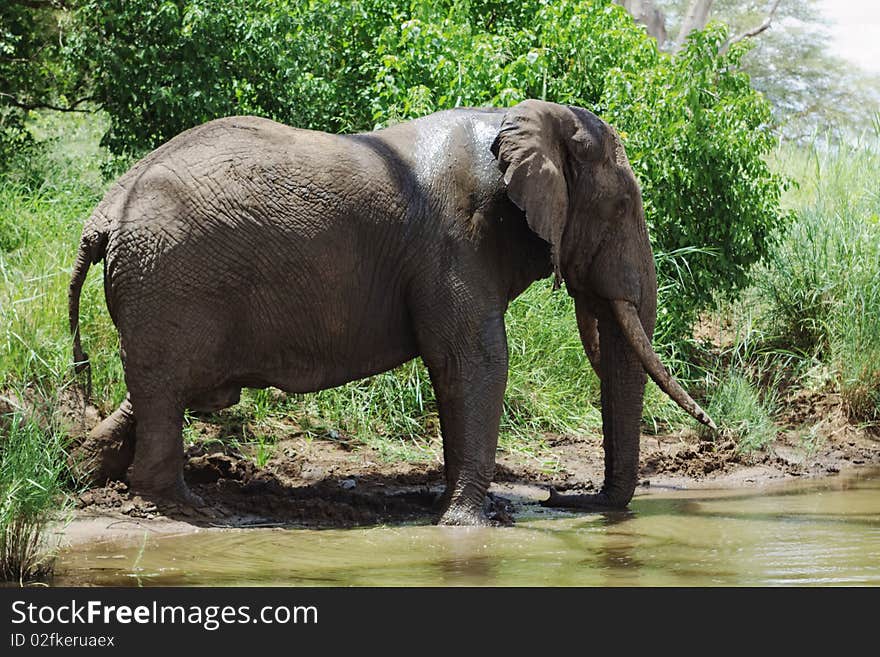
(567, 170)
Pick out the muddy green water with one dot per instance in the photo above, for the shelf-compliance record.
(803, 534)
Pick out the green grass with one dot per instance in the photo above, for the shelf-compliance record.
(32, 472)
(40, 224)
(42, 206)
(822, 287)
(742, 411)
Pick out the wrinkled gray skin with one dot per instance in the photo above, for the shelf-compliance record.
(245, 253)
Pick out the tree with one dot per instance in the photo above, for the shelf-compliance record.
(810, 90)
(695, 18)
(33, 71)
(649, 15)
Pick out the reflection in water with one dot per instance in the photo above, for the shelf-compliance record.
(826, 533)
(464, 557)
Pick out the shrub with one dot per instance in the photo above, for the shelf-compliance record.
(160, 68)
(696, 135)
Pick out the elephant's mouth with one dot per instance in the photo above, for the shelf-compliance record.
(631, 326)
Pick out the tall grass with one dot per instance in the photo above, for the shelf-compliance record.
(41, 216)
(42, 205)
(743, 380)
(812, 318)
(822, 286)
(32, 469)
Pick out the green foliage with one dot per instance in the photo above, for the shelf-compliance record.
(822, 286)
(160, 68)
(695, 131)
(33, 72)
(696, 134)
(32, 469)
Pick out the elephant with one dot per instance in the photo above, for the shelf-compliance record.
(247, 253)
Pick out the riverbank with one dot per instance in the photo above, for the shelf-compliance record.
(334, 483)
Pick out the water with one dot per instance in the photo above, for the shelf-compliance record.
(803, 534)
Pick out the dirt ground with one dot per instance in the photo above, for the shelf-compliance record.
(329, 483)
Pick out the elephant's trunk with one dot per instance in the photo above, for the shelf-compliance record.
(623, 387)
(623, 357)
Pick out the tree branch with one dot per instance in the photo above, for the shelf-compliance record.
(755, 31)
(72, 107)
(41, 4)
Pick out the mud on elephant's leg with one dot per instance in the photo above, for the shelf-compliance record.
(470, 392)
(157, 470)
(107, 451)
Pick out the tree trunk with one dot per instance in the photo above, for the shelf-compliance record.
(646, 13)
(695, 18)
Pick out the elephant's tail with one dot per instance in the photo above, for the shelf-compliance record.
(92, 248)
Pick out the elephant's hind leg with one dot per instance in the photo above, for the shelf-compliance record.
(157, 470)
(107, 451)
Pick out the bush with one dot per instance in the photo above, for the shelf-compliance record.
(160, 68)
(697, 135)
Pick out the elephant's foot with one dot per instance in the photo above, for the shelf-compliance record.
(601, 501)
(108, 450)
(470, 513)
(174, 492)
(466, 516)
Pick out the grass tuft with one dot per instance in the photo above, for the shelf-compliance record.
(741, 413)
(32, 472)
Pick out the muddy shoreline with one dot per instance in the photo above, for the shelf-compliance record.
(330, 484)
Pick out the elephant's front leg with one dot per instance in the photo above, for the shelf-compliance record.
(469, 376)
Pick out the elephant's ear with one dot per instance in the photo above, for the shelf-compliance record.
(531, 151)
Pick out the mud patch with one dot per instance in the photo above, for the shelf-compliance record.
(239, 494)
(333, 483)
